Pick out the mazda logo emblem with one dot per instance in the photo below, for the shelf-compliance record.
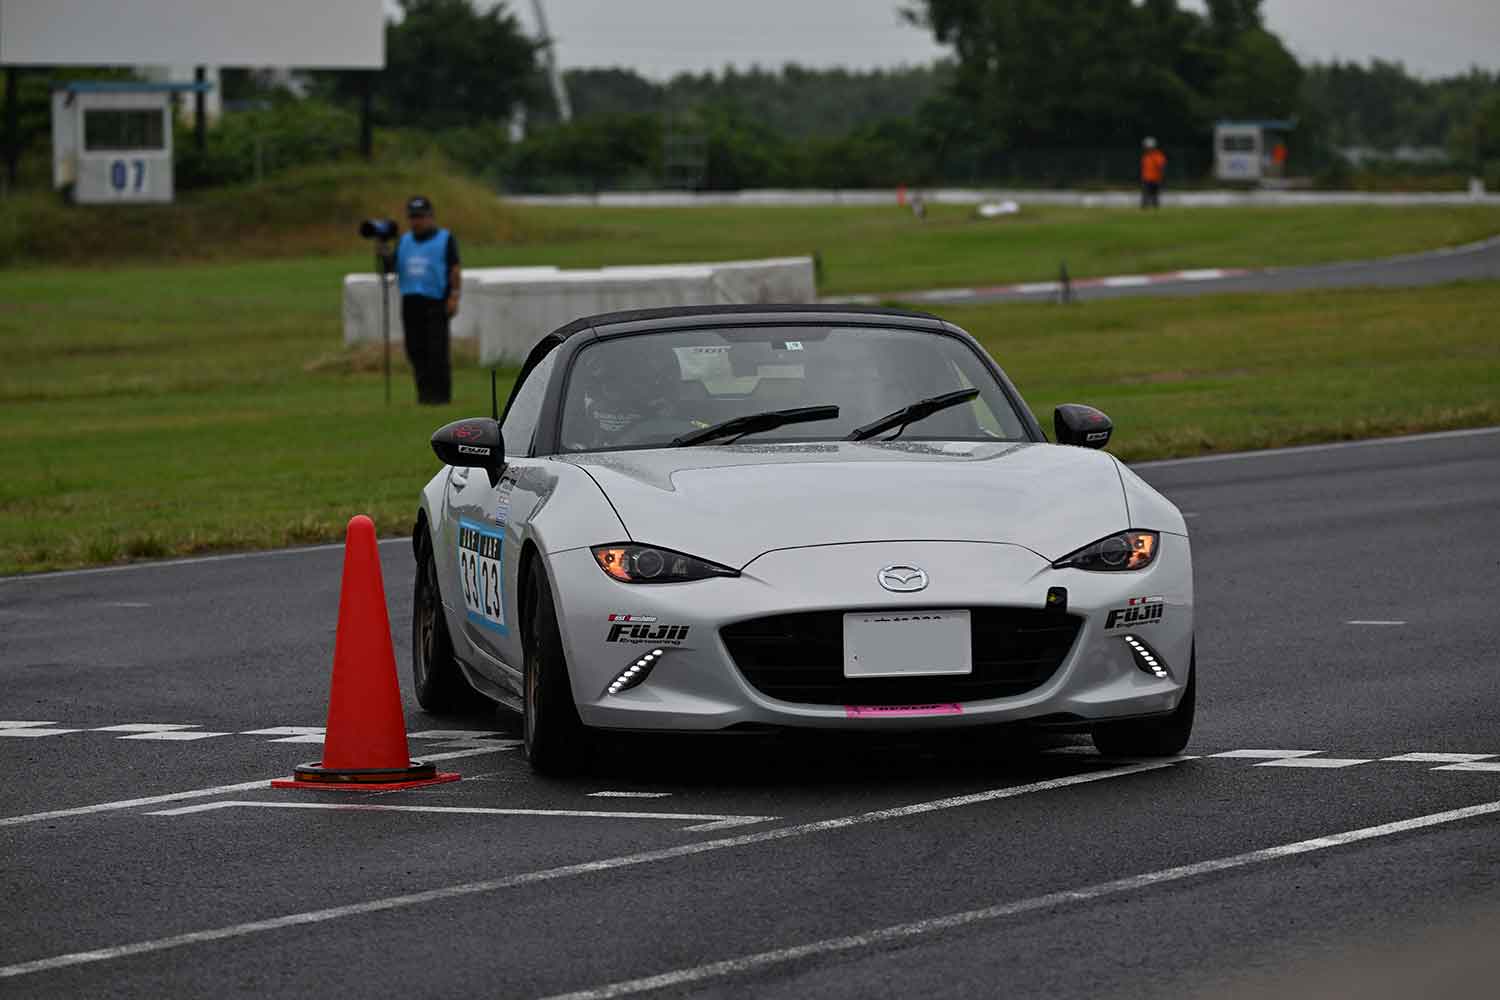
(903, 579)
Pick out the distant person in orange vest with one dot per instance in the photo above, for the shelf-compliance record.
(1278, 157)
(1153, 170)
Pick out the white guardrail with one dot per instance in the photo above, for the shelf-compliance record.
(508, 309)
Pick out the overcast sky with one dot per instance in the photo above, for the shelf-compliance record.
(662, 37)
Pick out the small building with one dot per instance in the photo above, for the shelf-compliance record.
(112, 140)
(1246, 151)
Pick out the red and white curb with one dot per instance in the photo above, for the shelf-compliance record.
(1039, 288)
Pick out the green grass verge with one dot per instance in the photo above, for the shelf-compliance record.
(313, 213)
(147, 413)
(865, 249)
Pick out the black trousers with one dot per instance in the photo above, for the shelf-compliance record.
(426, 326)
(1150, 194)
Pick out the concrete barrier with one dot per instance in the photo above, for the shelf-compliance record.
(362, 303)
(514, 315)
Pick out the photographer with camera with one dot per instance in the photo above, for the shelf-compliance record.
(427, 270)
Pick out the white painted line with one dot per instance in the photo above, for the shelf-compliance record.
(178, 736)
(1125, 281)
(452, 734)
(150, 800)
(702, 821)
(629, 795)
(37, 731)
(142, 727)
(1267, 754)
(196, 793)
(1360, 621)
(189, 561)
(1473, 765)
(24, 724)
(304, 738)
(1235, 456)
(566, 871)
(1037, 288)
(1442, 758)
(284, 731)
(1201, 274)
(1326, 762)
(934, 925)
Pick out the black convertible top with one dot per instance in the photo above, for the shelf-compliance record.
(669, 314)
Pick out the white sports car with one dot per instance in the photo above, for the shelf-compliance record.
(752, 517)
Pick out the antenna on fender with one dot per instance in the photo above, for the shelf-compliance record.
(494, 398)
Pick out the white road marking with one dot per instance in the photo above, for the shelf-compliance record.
(934, 925)
(37, 731)
(143, 727)
(196, 793)
(1327, 762)
(702, 821)
(190, 561)
(1361, 621)
(1126, 281)
(1235, 456)
(24, 724)
(629, 795)
(284, 731)
(1267, 754)
(304, 738)
(178, 736)
(548, 874)
(1037, 288)
(1473, 765)
(1442, 758)
(1202, 274)
(452, 734)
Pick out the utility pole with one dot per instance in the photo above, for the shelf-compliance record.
(200, 109)
(12, 127)
(549, 55)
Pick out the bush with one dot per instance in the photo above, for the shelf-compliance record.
(250, 145)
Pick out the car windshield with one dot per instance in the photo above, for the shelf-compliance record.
(646, 390)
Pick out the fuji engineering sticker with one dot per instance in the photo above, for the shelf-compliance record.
(1137, 612)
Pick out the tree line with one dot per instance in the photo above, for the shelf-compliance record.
(1036, 91)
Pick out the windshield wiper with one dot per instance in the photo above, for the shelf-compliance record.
(909, 414)
(755, 422)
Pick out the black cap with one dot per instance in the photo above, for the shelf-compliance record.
(419, 205)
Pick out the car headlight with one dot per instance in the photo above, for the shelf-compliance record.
(631, 563)
(1127, 550)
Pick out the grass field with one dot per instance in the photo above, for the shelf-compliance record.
(307, 220)
(147, 412)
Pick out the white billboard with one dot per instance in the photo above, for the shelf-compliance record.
(313, 34)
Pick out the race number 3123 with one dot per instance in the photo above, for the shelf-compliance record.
(479, 573)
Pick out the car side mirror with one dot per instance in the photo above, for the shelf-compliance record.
(1081, 425)
(472, 443)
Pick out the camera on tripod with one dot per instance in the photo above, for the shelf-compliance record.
(379, 229)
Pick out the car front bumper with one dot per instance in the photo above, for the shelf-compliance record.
(695, 684)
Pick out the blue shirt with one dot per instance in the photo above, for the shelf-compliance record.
(422, 265)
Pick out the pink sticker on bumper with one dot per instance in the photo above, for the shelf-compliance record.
(901, 711)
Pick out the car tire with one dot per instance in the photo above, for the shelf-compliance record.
(1160, 737)
(439, 682)
(557, 743)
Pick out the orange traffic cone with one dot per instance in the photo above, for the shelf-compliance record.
(365, 745)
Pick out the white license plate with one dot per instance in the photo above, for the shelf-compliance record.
(907, 644)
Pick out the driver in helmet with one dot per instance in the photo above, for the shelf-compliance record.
(624, 390)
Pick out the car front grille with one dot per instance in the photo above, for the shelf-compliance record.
(800, 658)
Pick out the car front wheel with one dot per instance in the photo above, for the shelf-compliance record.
(557, 743)
(1159, 737)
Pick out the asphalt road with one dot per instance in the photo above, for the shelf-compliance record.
(1474, 262)
(990, 865)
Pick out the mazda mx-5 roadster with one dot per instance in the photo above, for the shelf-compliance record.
(763, 518)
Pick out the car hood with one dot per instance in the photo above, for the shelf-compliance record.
(731, 504)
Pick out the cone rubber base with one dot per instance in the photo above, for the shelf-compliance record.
(319, 778)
